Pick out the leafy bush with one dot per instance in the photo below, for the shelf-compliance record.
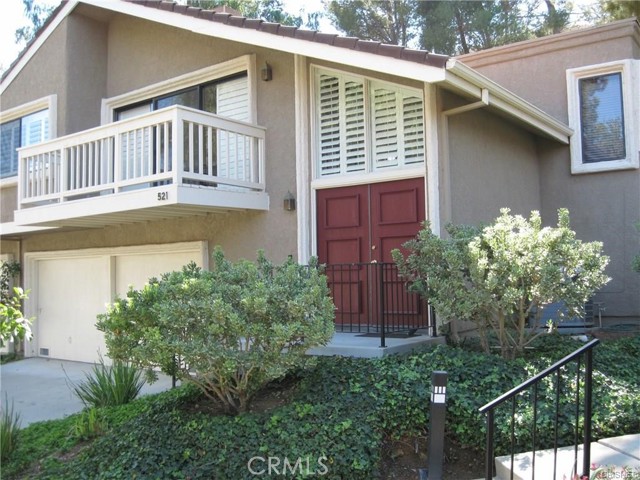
(9, 431)
(229, 331)
(109, 385)
(499, 275)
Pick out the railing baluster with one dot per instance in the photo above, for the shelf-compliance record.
(489, 445)
(555, 425)
(191, 155)
(588, 390)
(210, 134)
(533, 435)
(513, 435)
(200, 149)
(577, 426)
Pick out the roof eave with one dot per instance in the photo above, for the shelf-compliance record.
(463, 78)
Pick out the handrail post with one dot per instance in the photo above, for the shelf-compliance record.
(383, 339)
(488, 475)
(588, 387)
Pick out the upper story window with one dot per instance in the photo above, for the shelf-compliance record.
(227, 89)
(22, 127)
(603, 114)
(364, 125)
(227, 97)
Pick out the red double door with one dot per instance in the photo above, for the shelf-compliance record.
(362, 225)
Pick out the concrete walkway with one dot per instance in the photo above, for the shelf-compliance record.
(612, 453)
(40, 388)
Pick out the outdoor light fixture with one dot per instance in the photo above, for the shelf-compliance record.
(289, 202)
(265, 73)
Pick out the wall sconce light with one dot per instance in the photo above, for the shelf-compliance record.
(289, 202)
(266, 73)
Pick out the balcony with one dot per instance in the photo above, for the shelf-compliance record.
(172, 162)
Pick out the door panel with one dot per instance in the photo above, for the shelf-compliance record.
(398, 209)
(343, 239)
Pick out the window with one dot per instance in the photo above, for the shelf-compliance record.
(227, 97)
(364, 125)
(603, 116)
(21, 132)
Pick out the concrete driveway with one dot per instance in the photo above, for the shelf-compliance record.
(39, 388)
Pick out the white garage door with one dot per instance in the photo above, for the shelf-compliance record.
(72, 291)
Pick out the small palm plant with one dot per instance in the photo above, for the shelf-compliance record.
(9, 431)
(109, 385)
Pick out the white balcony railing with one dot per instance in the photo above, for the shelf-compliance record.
(176, 145)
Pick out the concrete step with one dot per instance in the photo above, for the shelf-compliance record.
(613, 454)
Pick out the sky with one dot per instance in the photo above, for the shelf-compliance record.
(13, 18)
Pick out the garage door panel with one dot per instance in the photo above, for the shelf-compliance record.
(136, 270)
(71, 293)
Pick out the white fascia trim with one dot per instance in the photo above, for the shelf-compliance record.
(508, 102)
(296, 46)
(303, 162)
(33, 48)
(366, 178)
(11, 228)
(244, 63)
(630, 73)
(433, 157)
(49, 102)
(9, 182)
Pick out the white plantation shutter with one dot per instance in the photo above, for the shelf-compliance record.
(385, 127)
(354, 127)
(364, 125)
(35, 128)
(341, 118)
(329, 124)
(413, 129)
(234, 155)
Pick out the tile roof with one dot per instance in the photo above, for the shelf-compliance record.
(351, 43)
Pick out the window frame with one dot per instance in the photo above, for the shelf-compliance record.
(370, 168)
(50, 103)
(628, 70)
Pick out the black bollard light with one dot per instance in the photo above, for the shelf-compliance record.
(436, 427)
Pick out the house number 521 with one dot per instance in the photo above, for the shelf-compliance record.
(163, 196)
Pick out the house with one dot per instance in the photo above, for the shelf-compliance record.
(138, 135)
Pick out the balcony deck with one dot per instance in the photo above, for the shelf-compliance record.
(172, 162)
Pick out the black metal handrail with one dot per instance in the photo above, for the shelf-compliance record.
(373, 298)
(489, 410)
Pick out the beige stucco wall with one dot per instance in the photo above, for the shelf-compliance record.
(604, 206)
(104, 59)
(8, 202)
(492, 165)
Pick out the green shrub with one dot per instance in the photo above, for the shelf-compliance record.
(498, 275)
(109, 385)
(228, 331)
(9, 431)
